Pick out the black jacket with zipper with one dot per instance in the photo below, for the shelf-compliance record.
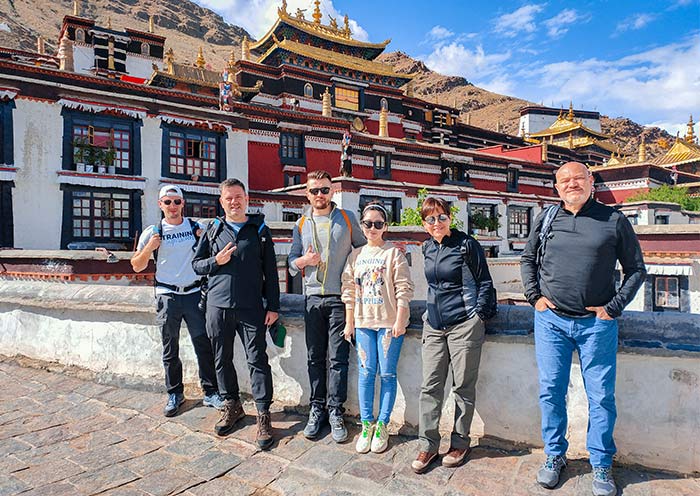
(450, 300)
(250, 275)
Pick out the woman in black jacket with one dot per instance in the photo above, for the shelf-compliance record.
(460, 297)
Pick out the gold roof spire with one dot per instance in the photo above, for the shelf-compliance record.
(151, 24)
(76, 9)
(570, 114)
(317, 12)
(689, 135)
(200, 59)
(232, 59)
(284, 6)
(109, 22)
(642, 157)
(346, 26)
(169, 60)
(245, 47)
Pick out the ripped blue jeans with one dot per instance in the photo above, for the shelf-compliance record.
(377, 349)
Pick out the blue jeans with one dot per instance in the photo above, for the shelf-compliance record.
(595, 340)
(377, 347)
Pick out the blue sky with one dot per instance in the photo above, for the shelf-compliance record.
(635, 59)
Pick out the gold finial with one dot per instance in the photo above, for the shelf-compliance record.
(498, 125)
(300, 14)
(570, 143)
(570, 115)
(76, 10)
(109, 22)
(334, 23)
(642, 151)
(545, 153)
(245, 48)
(169, 60)
(326, 109)
(151, 24)
(230, 78)
(469, 118)
(232, 59)
(65, 54)
(40, 47)
(383, 123)
(346, 26)
(284, 6)
(690, 135)
(317, 12)
(409, 89)
(200, 62)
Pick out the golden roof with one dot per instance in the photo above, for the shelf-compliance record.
(681, 151)
(564, 124)
(335, 58)
(331, 33)
(189, 74)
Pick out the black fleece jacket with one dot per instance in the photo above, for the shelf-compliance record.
(578, 266)
(250, 275)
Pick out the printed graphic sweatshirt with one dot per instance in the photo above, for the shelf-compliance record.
(375, 282)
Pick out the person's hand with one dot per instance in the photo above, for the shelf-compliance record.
(271, 318)
(398, 330)
(600, 313)
(224, 255)
(543, 304)
(153, 243)
(348, 332)
(309, 258)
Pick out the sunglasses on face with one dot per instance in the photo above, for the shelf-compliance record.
(168, 202)
(324, 191)
(431, 219)
(378, 224)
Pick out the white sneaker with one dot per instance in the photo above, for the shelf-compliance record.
(380, 440)
(366, 437)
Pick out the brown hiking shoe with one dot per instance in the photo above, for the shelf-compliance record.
(423, 461)
(264, 436)
(230, 414)
(455, 457)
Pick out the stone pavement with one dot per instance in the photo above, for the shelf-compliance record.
(60, 435)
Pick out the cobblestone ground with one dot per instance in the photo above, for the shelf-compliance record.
(60, 435)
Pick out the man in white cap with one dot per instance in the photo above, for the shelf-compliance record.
(172, 242)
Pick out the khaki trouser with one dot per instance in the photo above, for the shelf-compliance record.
(459, 346)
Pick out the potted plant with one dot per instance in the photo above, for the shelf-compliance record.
(479, 222)
(493, 224)
(110, 154)
(79, 153)
(90, 158)
(100, 160)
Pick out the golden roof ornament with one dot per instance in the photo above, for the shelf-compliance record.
(169, 60)
(690, 135)
(383, 123)
(346, 26)
(109, 22)
(76, 10)
(570, 142)
(334, 23)
(245, 46)
(151, 24)
(409, 89)
(232, 59)
(326, 109)
(284, 6)
(65, 54)
(570, 114)
(40, 45)
(200, 62)
(642, 157)
(300, 14)
(317, 12)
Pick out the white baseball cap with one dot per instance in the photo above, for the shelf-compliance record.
(170, 190)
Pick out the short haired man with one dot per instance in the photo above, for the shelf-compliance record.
(172, 242)
(238, 256)
(322, 239)
(571, 284)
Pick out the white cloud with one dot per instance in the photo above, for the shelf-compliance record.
(635, 21)
(457, 60)
(4, 27)
(521, 20)
(438, 33)
(559, 24)
(257, 16)
(672, 128)
(655, 85)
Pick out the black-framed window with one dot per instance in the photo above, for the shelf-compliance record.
(382, 165)
(391, 205)
(96, 140)
(100, 216)
(455, 173)
(193, 154)
(200, 206)
(512, 180)
(308, 90)
(6, 133)
(667, 293)
(292, 149)
(288, 216)
(6, 217)
(518, 222)
(480, 215)
(291, 179)
(661, 219)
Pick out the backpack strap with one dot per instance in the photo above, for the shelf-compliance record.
(157, 229)
(347, 220)
(467, 272)
(545, 232)
(301, 222)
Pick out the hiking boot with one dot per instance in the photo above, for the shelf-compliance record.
(455, 457)
(423, 461)
(548, 475)
(380, 440)
(264, 435)
(231, 413)
(603, 482)
(214, 400)
(366, 437)
(317, 416)
(338, 431)
(175, 400)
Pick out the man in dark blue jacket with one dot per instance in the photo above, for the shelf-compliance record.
(571, 284)
(238, 256)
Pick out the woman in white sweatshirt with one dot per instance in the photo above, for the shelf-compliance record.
(376, 290)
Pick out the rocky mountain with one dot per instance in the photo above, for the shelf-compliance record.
(493, 111)
(188, 26)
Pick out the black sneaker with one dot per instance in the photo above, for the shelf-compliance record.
(175, 400)
(317, 416)
(338, 431)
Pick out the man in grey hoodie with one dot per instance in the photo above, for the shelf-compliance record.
(321, 242)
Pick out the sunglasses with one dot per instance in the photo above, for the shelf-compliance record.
(431, 219)
(378, 224)
(324, 191)
(168, 202)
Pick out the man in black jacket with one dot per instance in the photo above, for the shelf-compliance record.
(571, 284)
(238, 257)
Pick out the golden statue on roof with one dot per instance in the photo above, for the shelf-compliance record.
(317, 12)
